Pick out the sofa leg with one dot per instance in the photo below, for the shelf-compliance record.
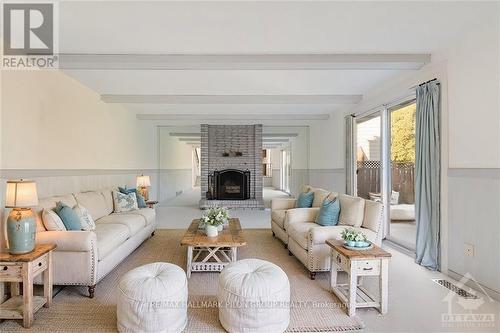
(152, 234)
(286, 246)
(274, 235)
(92, 291)
(312, 275)
(290, 253)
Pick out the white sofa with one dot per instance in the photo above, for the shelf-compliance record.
(305, 239)
(85, 257)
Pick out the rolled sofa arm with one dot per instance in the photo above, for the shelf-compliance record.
(282, 203)
(69, 241)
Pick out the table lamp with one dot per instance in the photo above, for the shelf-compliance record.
(21, 195)
(143, 182)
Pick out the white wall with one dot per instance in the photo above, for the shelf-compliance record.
(175, 162)
(469, 73)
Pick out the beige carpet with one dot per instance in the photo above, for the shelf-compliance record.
(315, 308)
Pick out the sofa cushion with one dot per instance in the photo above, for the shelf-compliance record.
(278, 216)
(319, 196)
(329, 212)
(403, 212)
(69, 218)
(51, 203)
(109, 237)
(352, 210)
(149, 214)
(134, 222)
(125, 202)
(373, 215)
(52, 221)
(96, 202)
(305, 200)
(299, 231)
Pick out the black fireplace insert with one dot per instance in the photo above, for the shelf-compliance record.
(231, 184)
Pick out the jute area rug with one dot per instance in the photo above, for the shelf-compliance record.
(314, 308)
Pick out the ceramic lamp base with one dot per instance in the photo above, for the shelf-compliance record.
(21, 231)
(144, 192)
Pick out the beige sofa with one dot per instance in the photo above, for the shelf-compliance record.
(85, 257)
(305, 239)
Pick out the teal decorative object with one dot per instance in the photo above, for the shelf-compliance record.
(329, 212)
(21, 230)
(305, 200)
(21, 225)
(68, 216)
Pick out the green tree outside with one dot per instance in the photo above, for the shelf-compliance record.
(403, 134)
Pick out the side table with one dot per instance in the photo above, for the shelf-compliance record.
(357, 264)
(15, 268)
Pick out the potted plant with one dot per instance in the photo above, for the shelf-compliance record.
(354, 238)
(214, 220)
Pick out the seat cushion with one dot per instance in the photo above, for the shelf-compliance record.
(134, 222)
(96, 202)
(403, 212)
(299, 231)
(278, 216)
(148, 214)
(109, 237)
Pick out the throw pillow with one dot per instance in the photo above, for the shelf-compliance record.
(305, 200)
(352, 210)
(329, 211)
(141, 202)
(86, 221)
(52, 221)
(124, 202)
(68, 216)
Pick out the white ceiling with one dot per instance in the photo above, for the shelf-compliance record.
(252, 28)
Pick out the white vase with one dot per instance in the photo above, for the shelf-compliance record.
(220, 227)
(211, 231)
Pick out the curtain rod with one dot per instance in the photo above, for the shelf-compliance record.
(421, 84)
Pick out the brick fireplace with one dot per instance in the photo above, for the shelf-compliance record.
(230, 153)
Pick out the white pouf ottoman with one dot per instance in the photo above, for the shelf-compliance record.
(254, 296)
(153, 298)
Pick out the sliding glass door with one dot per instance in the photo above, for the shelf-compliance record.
(384, 159)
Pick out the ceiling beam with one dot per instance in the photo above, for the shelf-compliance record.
(232, 99)
(359, 61)
(223, 117)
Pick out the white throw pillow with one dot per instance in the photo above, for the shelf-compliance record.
(52, 221)
(352, 210)
(124, 202)
(86, 221)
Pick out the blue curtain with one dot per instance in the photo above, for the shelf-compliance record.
(428, 175)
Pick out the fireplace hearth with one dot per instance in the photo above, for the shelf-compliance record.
(230, 184)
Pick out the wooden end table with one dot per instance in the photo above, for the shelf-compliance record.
(357, 264)
(151, 203)
(212, 254)
(15, 268)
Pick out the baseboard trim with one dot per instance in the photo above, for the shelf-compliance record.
(472, 284)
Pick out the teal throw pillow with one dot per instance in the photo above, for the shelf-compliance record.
(305, 200)
(68, 216)
(141, 202)
(329, 212)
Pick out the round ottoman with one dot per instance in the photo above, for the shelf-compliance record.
(152, 298)
(254, 296)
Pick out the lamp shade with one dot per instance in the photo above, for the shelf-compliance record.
(20, 194)
(143, 181)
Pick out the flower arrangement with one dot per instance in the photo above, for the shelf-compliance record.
(215, 216)
(352, 237)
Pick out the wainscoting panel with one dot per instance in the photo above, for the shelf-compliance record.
(474, 218)
(173, 181)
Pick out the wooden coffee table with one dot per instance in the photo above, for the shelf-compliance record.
(357, 264)
(212, 254)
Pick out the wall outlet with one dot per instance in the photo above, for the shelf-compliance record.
(469, 250)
